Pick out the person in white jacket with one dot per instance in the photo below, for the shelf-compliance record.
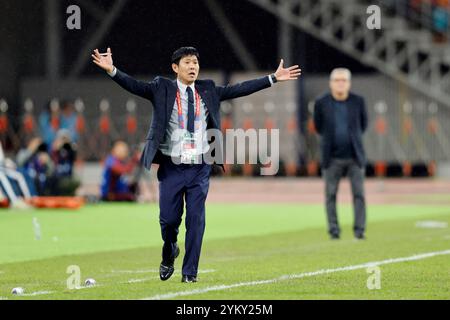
(9, 173)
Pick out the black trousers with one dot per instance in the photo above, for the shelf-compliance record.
(179, 184)
(340, 168)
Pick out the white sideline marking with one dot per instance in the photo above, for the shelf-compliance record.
(157, 277)
(140, 280)
(135, 271)
(171, 295)
(430, 224)
(154, 271)
(88, 287)
(37, 293)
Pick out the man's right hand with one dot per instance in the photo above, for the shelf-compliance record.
(103, 60)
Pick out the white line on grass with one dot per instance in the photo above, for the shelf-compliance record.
(153, 271)
(141, 280)
(37, 293)
(430, 224)
(157, 277)
(136, 271)
(172, 295)
(88, 287)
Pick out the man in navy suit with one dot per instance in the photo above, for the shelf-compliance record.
(340, 118)
(183, 110)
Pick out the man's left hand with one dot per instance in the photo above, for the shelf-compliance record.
(285, 74)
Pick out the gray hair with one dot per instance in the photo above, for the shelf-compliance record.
(341, 70)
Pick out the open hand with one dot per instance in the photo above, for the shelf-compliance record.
(285, 74)
(103, 60)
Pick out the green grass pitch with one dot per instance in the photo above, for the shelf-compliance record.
(120, 247)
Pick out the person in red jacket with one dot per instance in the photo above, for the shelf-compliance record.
(115, 184)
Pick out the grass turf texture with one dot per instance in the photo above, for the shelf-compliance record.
(120, 247)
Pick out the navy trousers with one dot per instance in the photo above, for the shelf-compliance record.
(179, 184)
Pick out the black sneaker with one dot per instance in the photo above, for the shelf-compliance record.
(166, 268)
(188, 279)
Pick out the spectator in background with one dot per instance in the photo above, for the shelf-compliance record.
(340, 117)
(35, 164)
(49, 122)
(115, 186)
(63, 155)
(12, 184)
(68, 120)
(440, 15)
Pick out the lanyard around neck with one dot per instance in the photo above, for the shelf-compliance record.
(180, 109)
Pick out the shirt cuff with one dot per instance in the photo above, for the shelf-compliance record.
(112, 73)
(270, 79)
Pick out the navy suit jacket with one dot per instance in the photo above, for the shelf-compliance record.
(324, 123)
(162, 93)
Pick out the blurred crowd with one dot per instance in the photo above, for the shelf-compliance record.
(45, 166)
(432, 14)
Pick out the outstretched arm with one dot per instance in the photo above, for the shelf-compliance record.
(248, 87)
(137, 87)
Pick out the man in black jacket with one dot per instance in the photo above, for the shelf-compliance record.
(191, 106)
(340, 117)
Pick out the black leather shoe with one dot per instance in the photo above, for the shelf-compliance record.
(335, 236)
(188, 279)
(166, 268)
(360, 236)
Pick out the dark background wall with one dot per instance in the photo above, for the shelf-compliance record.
(144, 36)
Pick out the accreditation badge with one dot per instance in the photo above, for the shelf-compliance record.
(188, 149)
